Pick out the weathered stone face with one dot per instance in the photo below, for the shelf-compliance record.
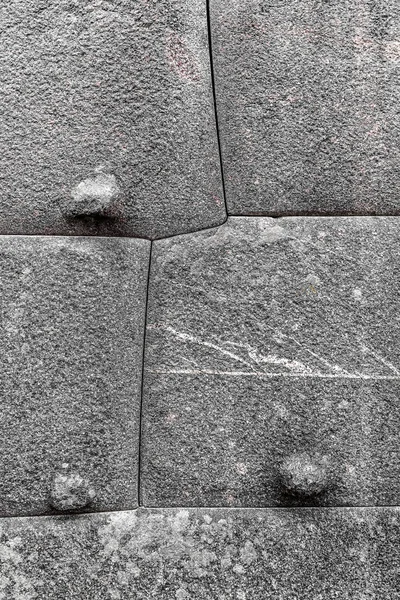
(204, 554)
(307, 96)
(72, 312)
(268, 338)
(305, 475)
(118, 88)
(70, 491)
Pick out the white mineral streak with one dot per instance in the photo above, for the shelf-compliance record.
(255, 361)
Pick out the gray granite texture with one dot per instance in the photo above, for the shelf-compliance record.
(307, 95)
(300, 554)
(72, 322)
(273, 365)
(107, 125)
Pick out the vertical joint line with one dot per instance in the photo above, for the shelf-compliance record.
(140, 441)
(210, 49)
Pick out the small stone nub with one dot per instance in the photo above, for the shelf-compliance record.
(70, 491)
(94, 197)
(305, 475)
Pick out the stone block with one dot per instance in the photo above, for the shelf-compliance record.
(273, 365)
(307, 95)
(351, 554)
(72, 320)
(107, 125)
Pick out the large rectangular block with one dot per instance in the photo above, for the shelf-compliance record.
(273, 365)
(307, 95)
(107, 124)
(351, 554)
(72, 320)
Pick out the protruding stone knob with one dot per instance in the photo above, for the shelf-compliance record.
(94, 197)
(70, 491)
(305, 475)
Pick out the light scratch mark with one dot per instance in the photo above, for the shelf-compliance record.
(188, 360)
(263, 374)
(186, 337)
(295, 367)
(381, 359)
(334, 368)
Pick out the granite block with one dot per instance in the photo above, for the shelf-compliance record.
(72, 325)
(307, 95)
(295, 554)
(272, 370)
(108, 124)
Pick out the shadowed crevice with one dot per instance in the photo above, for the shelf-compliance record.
(215, 102)
(142, 383)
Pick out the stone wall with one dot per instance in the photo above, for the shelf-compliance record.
(199, 250)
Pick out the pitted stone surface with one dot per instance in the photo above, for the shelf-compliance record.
(72, 312)
(94, 197)
(202, 554)
(267, 338)
(69, 491)
(305, 475)
(119, 88)
(307, 95)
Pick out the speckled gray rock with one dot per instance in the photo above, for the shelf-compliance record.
(268, 337)
(70, 491)
(72, 320)
(306, 475)
(346, 554)
(308, 94)
(118, 88)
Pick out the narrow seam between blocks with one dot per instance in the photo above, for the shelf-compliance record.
(210, 228)
(214, 96)
(255, 509)
(139, 461)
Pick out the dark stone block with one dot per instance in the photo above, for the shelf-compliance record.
(270, 339)
(107, 124)
(308, 94)
(184, 554)
(72, 315)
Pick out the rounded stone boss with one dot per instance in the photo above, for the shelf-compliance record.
(70, 491)
(305, 475)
